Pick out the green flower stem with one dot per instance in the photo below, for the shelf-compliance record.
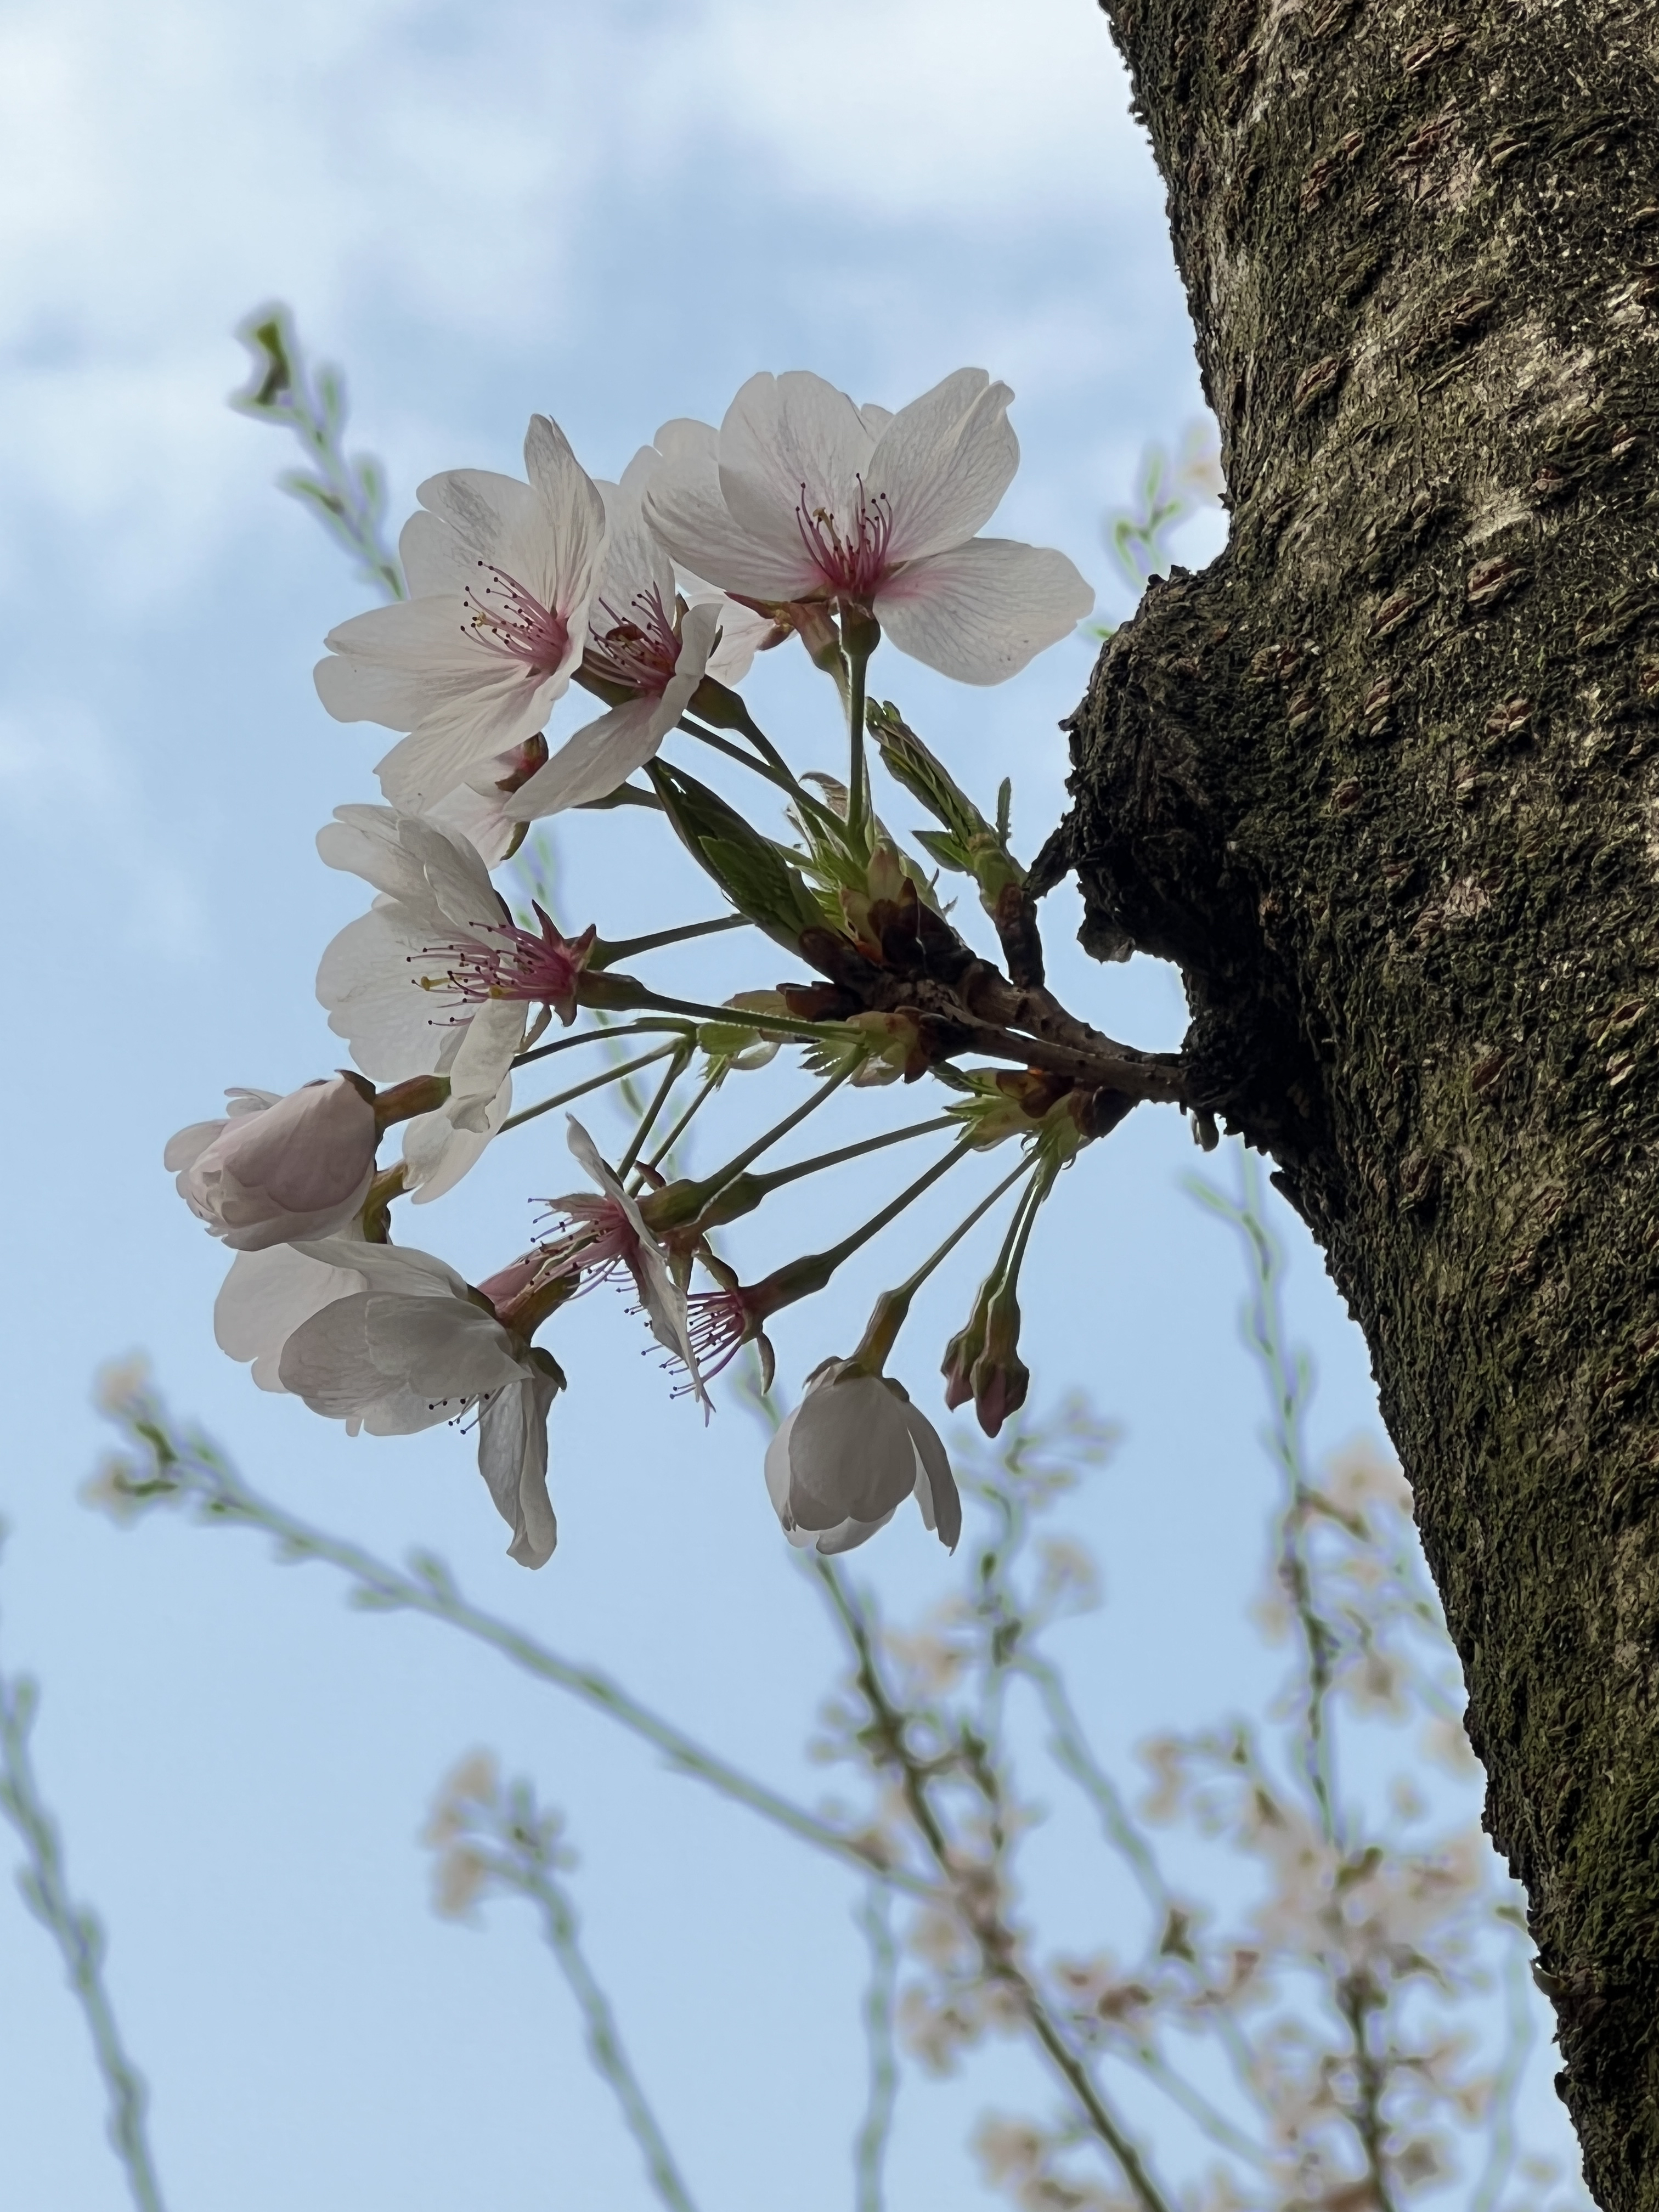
(711, 1186)
(604, 953)
(647, 1028)
(671, 1075)
(704, 1093)
(773, 767)
(784, 1026)
(778, 1176)
(858, 781)
(594, 1083)
(892, 1308)
(806, 1276)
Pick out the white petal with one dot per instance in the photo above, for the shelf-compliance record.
(636, 562)
(460, 734)
(943, 463)
(789, 442)
(265, 1298)
(186, 1147)
(369, 979)
(777, 1467)
(980, 612)
(437, 1154)
(848, 1534)
(363, 840)
(483, 510)
(564, 557)
(435, 561)
(493, 1037)
(477, 809)
(850, 1454)
(455, 876)
(390, 665)
(513, 1460)
(392, 1267)
(936, 1487)
(684, 504)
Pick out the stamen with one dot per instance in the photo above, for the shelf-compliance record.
(505, 962)
(637, 651)
(853, 563)
(716, 1325)
(510, 620)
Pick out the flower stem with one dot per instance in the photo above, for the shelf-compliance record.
(705, 1092)
(594, 1083)
(604, 953)
(858, 782)
(778, 1176)
(892, 1308)
(806, 1276)
(711, 1186)
(647, 1028)
(773, 767)
(671, 1075)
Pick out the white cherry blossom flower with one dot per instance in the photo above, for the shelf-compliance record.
(804, 497)
(277, 1169)
(502, 572)
(437, 978)
(411, 1345)
(643, 653)
(846, 1459)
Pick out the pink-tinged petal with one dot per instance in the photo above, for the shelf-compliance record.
(392, 665)
(943, 463)
(980, 612)
(789, 442)
(513, 1460)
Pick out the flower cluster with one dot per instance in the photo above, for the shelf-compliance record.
(802, 516)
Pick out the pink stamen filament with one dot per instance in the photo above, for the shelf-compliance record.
(716, 1325)
(510, 620)
(638, 651)
(506, 962)
(855, 565)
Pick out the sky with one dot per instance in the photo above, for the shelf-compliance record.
(615, 211)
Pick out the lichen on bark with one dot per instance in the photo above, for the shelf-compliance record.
(1384, 780)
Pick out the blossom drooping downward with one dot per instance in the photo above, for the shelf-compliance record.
(414, 1346)
(502, 572)
(802, 496)
(849, 1455)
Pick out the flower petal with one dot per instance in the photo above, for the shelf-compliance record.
(437, 1154)
(265, 1298)
(789, 442)
(513, 1460)
(686, 507)
(936, 1485)
(980, 612)
(944, 462)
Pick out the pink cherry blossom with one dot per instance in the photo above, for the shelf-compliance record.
(277, 1169)
(804, 497)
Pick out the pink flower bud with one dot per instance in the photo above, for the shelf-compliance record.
(279, 1169)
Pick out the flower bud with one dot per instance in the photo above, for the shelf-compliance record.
(1000, 1377)
(279, 1169)
(846, 1459)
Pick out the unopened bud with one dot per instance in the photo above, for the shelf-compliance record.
(1000, 1378)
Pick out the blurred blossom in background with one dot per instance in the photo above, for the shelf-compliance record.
(613, 211)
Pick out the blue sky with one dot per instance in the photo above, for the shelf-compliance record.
(613, 210)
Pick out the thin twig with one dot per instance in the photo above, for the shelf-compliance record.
(78, 1935)
(870, 2151)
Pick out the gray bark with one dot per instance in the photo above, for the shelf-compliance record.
(1384, 780)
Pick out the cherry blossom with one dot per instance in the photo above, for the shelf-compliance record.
(411, 1345)
(647, 651)
(277, 1169)
(849, 1455)
(502, 572)
(610, 1231)
(804, 497)
(438, 978)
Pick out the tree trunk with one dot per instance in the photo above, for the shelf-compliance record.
(1383, 781)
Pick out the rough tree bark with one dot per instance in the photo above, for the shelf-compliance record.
(1384, 780)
